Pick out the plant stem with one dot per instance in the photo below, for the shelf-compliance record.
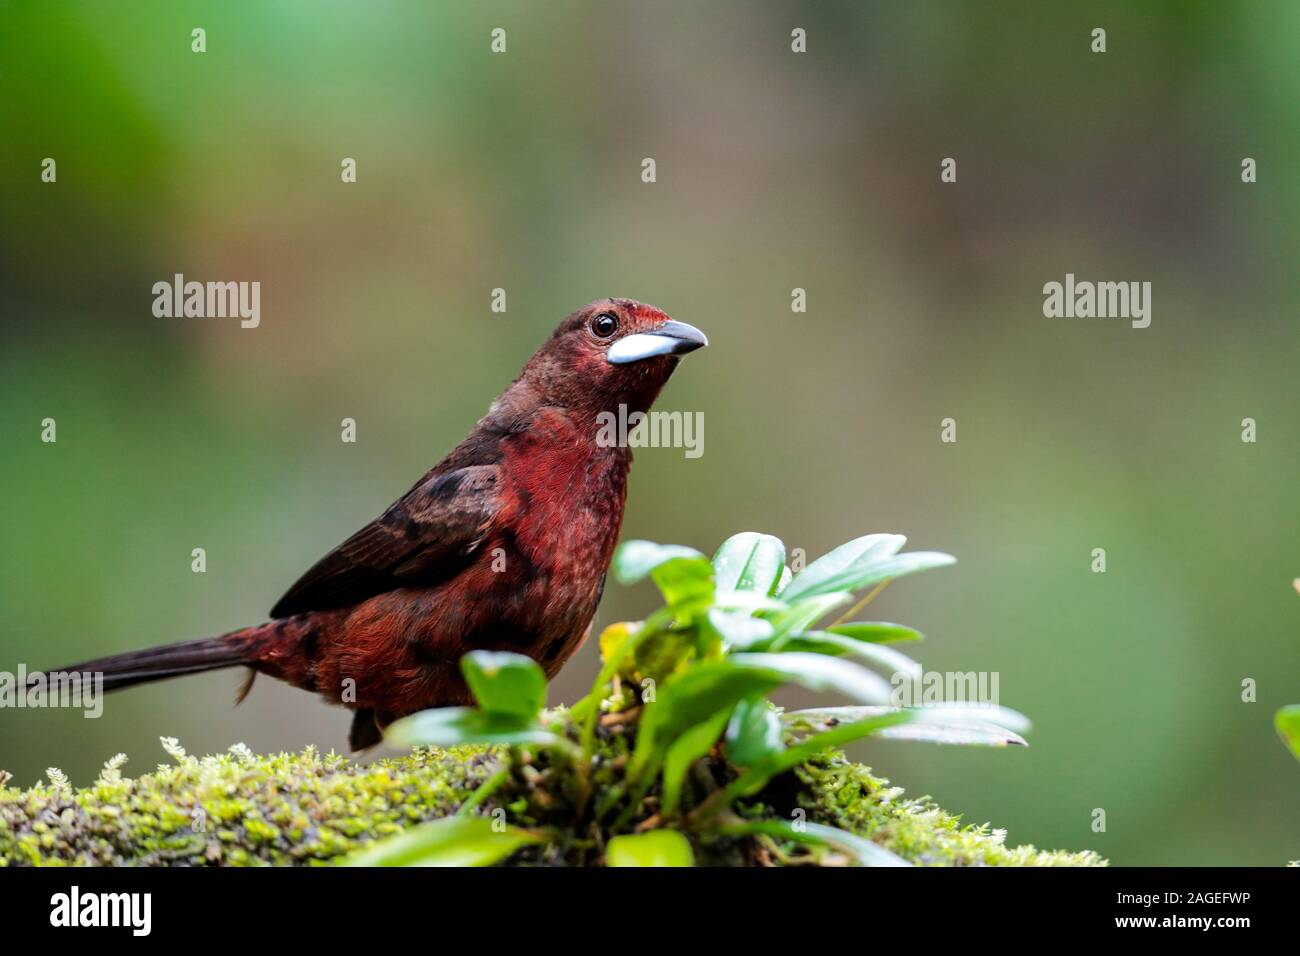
(608, 802)
(639, 791)
(871, 596)
(587, 710)
(756, 777)
(485, 790)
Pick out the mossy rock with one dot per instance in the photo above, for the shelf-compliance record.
(239, 809)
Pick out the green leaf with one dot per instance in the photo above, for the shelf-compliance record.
(652, 848)
(749, 561)
(876, 632)
(985, 713)
(686, 584)
(808, 611)
(505, 683)
(754, 732)
(454, 726)
(885, 659)
(966, 733)
(757, 776)
(739, 631)
(684, 751)
(692, 697)
(818, 672)
(864, 574)
(635, 559)
(1288, 726)
(451, 841)
(683, 575)
(812, 579)
(989, 713)
(863, 851)
(859, 563)
(975, 724)
(699, 692)
(747, 601)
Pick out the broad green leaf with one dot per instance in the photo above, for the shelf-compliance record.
(451, 841)
(684, 751)
(699, 692)
(505, 683)
(1288, 726)
(818, 672)
(962, 733)
(813, 578)
(749, 561)
(635, 559)
(738, 631)
(808, 611)
(747, 601)
(754, 732)
(865, 574)
(876, 632)
(885, 659)
(652, 848)
(454, 726)
(692, 697)
(686, 583)
(980, 724)
(863, 851)
(986, 713)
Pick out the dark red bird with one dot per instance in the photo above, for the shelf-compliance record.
(504, 545)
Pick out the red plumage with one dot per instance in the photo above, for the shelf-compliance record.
(503, 545)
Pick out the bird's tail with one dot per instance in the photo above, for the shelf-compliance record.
(170, 660)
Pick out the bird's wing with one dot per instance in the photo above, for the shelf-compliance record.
(420, 540)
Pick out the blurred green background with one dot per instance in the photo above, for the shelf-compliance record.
(775, 170)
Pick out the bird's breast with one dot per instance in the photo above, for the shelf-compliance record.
(568, 493)
(542, 566)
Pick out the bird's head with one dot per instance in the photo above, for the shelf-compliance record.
(612, 351)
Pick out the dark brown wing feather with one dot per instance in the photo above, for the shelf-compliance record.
(420, 540)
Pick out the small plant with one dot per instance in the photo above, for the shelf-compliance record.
(690, 741)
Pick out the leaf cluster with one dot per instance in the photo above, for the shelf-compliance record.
(688, 692)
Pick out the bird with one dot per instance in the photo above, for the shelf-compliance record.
(503, 545)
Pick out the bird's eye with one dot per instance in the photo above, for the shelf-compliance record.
(604, 325)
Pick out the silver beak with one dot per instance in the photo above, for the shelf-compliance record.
(671, 338)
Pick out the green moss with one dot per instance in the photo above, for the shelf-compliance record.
(239, 809)
(233, 809)
(846, 795)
